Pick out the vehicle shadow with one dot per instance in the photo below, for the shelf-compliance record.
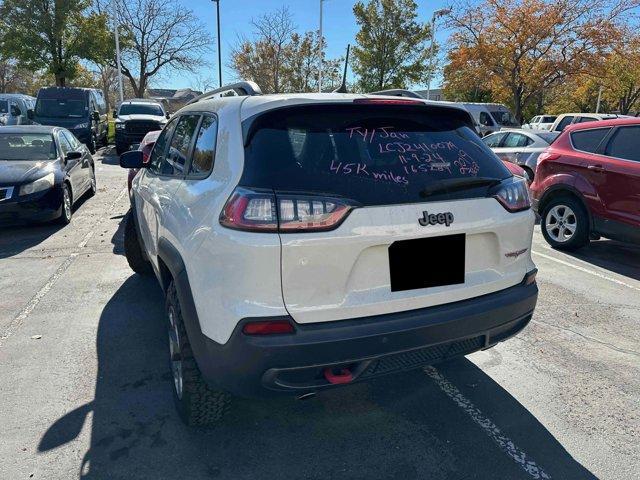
(15, 239)
(118, 237)
(621, 258)
(399, 427)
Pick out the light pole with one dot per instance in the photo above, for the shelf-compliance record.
(320, 52)
(599, 97)
(217, 2)
(437, 14)
(114, 4)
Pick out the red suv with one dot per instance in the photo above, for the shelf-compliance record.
(587, 184)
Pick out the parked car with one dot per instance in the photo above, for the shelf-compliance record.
(314, 240)
(83, 111)
(521, 147)
(491, 117)
(567, 119)
(517, 170)
(588, 184)
(540, 122)
(14, 108)
(135, 118)
(43, 172)
(145, 146)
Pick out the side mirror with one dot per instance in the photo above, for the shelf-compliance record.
(15, 111)
(30, 114)
(115, 114)
(73, 156)
(132, 159)
(96, 115)
(167, 115)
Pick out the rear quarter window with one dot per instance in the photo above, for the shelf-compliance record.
(625, 144)
(588, 140)
(368, 153)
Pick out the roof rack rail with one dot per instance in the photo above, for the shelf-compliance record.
(398, 92)
(239, 89)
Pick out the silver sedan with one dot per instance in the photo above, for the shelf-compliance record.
(519, 146)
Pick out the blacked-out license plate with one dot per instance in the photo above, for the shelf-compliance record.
(427, 262)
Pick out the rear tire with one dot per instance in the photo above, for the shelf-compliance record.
(565, 223)
(132, 250)
(196, 402)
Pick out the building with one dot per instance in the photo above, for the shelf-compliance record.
(173, 99)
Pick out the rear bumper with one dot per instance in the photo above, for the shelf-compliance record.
(369, 347)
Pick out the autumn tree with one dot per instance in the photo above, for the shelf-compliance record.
(53, 35)
(17, 79)
(280, 59)
(391, 49)
(620, 82)
(160, 38)
(522, 48)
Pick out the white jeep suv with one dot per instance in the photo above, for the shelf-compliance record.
(312, 240)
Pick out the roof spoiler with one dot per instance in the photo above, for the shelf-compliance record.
(398, 92)
(239, 89)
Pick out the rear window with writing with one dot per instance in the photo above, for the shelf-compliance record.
(382, 155)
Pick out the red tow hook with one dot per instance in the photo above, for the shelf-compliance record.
(343, 376)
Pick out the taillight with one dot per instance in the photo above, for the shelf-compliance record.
(268, 327)
(250, 210)
(311, 213)
(513, 194)
(253, 210)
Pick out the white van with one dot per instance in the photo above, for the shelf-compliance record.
(14, 108)
(491, 117)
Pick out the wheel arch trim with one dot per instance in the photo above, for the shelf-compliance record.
(170, 257)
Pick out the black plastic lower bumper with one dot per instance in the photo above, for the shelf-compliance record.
(368, 347)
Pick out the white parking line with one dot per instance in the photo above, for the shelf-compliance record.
(40, 294)
(504, 443)
(586, 270)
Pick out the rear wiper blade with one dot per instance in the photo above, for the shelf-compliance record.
(453, 184)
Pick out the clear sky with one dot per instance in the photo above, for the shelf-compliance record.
(339, 27)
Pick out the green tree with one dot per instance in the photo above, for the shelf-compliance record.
(53, 35)
(391, 50)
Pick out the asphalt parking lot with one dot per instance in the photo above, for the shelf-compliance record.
(86, 390)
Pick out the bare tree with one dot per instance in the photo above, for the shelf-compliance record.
(159, 37)
(262, 60)
(279, 59)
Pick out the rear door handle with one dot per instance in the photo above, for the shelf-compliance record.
(596, 168)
